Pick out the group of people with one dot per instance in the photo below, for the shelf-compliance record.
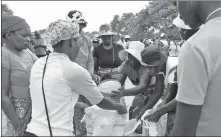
(46, 95)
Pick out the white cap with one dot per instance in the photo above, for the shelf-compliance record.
(127, 37)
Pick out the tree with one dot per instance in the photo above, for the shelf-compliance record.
(159, 15)
(6, 10)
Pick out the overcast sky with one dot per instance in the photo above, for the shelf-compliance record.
(40, 13)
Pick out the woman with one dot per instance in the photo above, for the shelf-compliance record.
(84, 59)
(17, 61)
(106, 54)
(169, 103)
(144, 72)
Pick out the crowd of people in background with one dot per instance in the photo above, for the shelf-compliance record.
(45, 93)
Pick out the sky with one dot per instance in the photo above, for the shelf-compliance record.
(39, 14)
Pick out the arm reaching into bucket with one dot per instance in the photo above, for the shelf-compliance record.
(110, 105)
(83, 84)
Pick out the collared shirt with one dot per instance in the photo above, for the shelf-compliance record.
(63, 82)
(199, 76)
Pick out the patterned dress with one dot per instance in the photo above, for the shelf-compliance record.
(134, 75)
(20, 67)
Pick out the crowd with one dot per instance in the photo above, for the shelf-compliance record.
(45, 94)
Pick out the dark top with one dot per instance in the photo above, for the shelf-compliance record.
(105, 57)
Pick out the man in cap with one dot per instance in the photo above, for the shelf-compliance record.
(85, 56)
(199, 71)
(84, 59)
(106, 54)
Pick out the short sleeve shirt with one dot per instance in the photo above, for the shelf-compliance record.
(19, 67)
(108, 58)
(63, 82)
(199, 76)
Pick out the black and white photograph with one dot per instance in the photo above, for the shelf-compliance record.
(111, 68)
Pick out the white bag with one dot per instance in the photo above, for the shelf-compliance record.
(131, 126)
(100, 122)
(152, 128)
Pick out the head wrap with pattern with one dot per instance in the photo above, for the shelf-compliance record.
(61, 30)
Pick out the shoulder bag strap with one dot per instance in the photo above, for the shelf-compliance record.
(46, 109)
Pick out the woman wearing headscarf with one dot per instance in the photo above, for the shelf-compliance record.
(17, 61)
(84, 59)
(106, 56)
(169, 103)
(143, 67)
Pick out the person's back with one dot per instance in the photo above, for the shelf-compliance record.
(206, 45)
(58, 94)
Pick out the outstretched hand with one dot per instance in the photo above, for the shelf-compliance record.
(116, 94)
(153, 116)
(96, 78)
(122, 109)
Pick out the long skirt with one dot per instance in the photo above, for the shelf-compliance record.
(23, 110)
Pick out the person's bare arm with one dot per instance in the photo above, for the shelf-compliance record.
(108, 104)
(170, 106)
(143, 84)
(186, 121)
(121, 77)
(155, 96)
(171, 93)
(7, 104)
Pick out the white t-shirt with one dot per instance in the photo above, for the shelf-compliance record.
(199, 76)
(63, 82)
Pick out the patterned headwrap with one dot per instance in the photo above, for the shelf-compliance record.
(12, 23)
(61, 30)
